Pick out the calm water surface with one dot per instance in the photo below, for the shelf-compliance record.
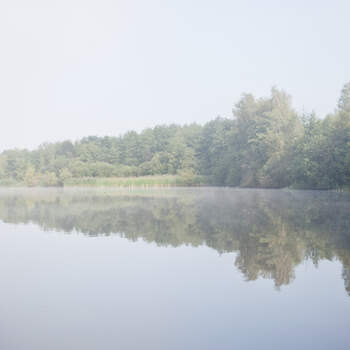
(174, 269)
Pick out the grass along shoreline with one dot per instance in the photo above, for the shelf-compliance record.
(133, 181)
(149, 181)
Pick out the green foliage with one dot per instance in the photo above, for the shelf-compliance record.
(65, 175)
(266, 144)
(31, 178)
(49, 179)
(344, 100)
(321, 159)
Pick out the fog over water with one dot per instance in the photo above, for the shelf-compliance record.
(174, 268)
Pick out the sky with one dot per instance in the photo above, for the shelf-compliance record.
(73, 68)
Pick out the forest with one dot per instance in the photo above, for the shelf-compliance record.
(266, 144)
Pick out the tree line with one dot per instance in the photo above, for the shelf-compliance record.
(266, 144)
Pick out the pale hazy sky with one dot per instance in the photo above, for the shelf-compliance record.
(72, 68)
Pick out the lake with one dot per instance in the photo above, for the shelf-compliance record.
(195, 268)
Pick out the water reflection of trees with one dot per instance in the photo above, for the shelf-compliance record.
(271, 231)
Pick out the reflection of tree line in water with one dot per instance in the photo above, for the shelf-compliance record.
(272, 231)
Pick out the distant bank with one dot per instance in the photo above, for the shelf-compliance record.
(267, 144)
